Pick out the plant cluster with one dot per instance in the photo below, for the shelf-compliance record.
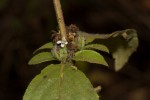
(64, 81)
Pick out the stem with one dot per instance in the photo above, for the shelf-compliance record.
(62, 28)
(60, 19)
(61, 70)
(60, 79)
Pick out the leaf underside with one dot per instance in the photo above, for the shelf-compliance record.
(73, 86)
(122, 53)
(90, 56)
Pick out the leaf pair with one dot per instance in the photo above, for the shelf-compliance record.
(83, 55)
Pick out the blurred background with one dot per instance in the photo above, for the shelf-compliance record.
(25, 25)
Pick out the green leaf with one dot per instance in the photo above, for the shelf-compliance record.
(41, 57)
(97, 47)
(90, 56)
(45, 46)
(49, 86)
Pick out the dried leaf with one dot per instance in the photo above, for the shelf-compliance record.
(122, 53)
(120, 43)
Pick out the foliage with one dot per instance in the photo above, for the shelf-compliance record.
(64, 81)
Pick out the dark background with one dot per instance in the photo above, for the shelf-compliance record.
(25, 25)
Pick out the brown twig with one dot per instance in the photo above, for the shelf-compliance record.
(60, 19)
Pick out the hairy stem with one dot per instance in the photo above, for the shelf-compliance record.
(60, 19)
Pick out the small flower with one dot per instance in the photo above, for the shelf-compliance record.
(62, 43)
